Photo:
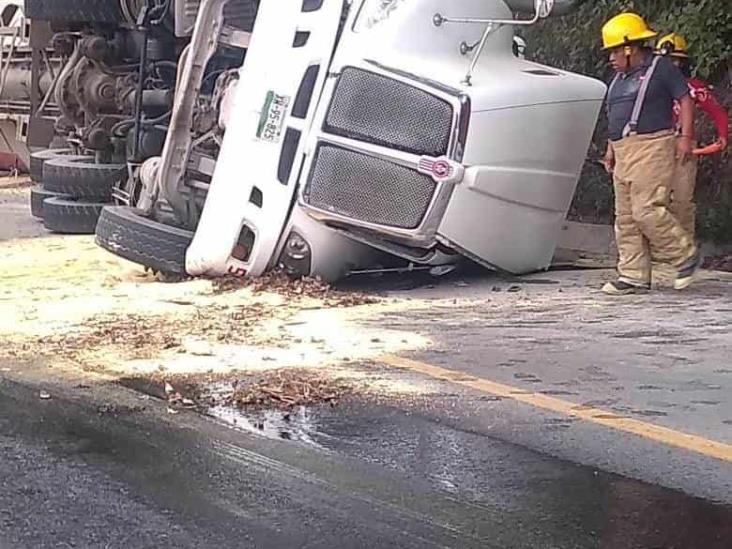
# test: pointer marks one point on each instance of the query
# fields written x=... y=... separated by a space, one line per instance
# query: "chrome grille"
x=380 y=110
x=368 y=189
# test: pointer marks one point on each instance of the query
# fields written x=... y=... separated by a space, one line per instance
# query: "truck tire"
x=71 y=216
x=37 y=197
x=37 y=159
x=81 y=177
x=125 y=232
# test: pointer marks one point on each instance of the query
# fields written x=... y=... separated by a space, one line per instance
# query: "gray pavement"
x=15 y=221
x=662 y=359
x=100 y=465
x=370 y=475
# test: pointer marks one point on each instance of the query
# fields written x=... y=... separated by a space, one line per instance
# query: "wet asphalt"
x=99 y=465
x=78 y=471
x=662 y=359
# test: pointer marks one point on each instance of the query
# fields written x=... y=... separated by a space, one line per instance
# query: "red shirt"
x=703 y=97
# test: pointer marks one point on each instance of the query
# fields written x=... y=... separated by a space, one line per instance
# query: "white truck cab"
x=404 y=127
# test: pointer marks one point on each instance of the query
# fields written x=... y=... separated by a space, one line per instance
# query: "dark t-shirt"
x=667 y=83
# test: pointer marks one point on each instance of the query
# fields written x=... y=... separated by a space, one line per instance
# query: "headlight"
x=297 y=247
x=374 y=12
x=295 y=258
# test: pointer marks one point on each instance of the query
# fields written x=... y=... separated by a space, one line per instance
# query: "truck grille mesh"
x=368 y=189
x=373 y=108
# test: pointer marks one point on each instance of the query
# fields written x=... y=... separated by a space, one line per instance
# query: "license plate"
x=272 y=118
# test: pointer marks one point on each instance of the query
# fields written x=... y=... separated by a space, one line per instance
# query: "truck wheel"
x=38 y=195
x=37 y=159
x=81 y=177
x=125 y=232
x=71 y=216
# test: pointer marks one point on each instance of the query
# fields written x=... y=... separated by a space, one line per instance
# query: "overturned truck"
x=325 y=136
x=102 y=82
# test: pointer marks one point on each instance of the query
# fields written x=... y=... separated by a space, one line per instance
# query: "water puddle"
x=299 y=424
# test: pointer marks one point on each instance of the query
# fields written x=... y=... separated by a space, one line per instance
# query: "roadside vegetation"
x=573 y=43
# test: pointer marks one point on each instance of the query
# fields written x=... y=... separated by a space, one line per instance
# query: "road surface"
x=535 y=413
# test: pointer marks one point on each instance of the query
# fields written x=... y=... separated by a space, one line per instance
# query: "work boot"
x=685 y=276
x=620 y=287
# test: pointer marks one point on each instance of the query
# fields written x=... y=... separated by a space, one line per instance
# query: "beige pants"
x=682 y=206
x=644 y=227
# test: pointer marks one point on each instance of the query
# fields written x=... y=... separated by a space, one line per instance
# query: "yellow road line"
x=694 y=443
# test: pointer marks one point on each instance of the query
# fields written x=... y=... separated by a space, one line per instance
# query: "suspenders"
x=631 y=127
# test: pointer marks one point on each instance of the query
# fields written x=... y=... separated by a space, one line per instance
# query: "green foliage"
x=707 y=25
x=574 y=43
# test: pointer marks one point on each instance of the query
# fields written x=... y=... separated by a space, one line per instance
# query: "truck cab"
x=355 y=131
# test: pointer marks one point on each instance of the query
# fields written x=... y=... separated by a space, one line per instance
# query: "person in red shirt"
x=682 y=189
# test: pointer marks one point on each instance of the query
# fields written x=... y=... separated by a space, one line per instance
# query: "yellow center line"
x=694 y=443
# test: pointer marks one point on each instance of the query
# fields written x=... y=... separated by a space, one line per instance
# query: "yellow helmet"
x=674 y=45
x=624 y=29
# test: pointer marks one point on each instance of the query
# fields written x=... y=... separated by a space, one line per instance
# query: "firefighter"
x=682 y=190
x=642 y=151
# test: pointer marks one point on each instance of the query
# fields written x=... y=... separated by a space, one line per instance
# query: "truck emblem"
x=442 y=170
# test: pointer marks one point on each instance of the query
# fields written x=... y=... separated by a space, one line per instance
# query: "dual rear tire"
x=74 y=197
x=73 y=189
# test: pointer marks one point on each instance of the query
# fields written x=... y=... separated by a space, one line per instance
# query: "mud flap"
x=255 y=178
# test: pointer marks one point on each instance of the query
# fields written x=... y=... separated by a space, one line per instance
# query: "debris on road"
x=44 y=395
x=179 y=391
x=68 y=302
x=294 y=288
x=175 y=399
x=118 y=410
x=257 y=399
x=290 y=388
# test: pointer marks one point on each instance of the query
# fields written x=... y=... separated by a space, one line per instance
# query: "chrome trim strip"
x=425 y=234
